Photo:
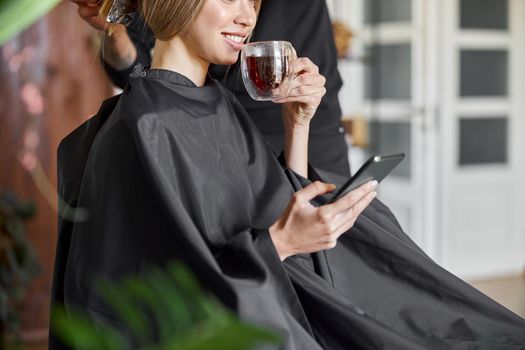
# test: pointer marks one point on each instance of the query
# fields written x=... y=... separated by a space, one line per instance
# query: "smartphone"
x=375 y=168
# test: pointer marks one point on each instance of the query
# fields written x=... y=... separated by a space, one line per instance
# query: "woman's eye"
x=251 y=2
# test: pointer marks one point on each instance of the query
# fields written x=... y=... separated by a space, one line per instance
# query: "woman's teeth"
x=237 y=39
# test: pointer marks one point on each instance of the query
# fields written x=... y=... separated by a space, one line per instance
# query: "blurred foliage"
x=18 y=261
x=161 y=310
x=17 y=15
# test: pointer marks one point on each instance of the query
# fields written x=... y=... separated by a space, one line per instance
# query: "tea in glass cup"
x=267 y=69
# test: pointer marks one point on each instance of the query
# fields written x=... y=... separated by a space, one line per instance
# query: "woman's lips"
x=235 y=40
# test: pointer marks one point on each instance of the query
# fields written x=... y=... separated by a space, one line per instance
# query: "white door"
x=444 y=82
x=386 y=87
x=481 y=136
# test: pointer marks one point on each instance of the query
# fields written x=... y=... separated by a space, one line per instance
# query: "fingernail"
x=373 y=184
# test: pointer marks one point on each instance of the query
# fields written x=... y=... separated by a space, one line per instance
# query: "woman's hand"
x=303 y=228
x=305 y=94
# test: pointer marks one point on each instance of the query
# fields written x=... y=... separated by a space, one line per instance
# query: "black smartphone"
x=375 y=168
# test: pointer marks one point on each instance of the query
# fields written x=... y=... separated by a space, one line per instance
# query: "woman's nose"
x=246 y=15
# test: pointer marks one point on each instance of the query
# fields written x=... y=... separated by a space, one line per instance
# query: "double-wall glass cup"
x=267 y=70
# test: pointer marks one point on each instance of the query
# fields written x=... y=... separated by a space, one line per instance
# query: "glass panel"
x=388 y=74
x=484 y=14
x=483 y=140
x=484 y=73
x=389 y=138
x=380 y=11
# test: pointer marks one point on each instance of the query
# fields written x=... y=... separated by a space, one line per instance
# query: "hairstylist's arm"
x=303 y=228
x=300 y=105
x=118 y=49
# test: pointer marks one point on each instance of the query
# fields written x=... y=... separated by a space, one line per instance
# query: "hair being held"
x=166 y=18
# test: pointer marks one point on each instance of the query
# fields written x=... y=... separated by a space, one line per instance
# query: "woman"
x=175 y=169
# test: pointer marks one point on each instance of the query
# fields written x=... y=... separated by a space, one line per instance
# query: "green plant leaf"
x=14 y=265
x=179 y=314
x=4 y=300
x=5 y=275
x=173 y=302
x=183 y=276
x=15 y=228
x=18 y=263
x=125 y=305
x=78 y=331
x=233 y=336
x=17 y=15
x=26 y=210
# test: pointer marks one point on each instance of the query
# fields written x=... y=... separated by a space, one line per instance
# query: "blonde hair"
x=166 y=18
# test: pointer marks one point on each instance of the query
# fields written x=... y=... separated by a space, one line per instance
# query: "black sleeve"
x=317 y=42
x=144 y=40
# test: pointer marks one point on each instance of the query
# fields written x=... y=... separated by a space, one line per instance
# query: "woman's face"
x=219 y=31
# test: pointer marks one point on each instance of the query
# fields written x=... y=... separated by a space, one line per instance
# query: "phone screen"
x=375 y=168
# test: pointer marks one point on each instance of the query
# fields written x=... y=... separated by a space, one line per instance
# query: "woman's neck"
x=174 y=55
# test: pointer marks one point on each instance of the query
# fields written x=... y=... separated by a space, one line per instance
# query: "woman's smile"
x=236 y=40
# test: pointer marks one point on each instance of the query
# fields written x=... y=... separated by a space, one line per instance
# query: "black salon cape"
x=304 y=23
x=170 y=171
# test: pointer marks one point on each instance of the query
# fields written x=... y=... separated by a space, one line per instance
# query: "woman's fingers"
x=305 y=90
x=345 y=220
x=348 y=218
x=304 y=64
x=334 y=223
x=85 y=11
x=308 y=79
x=352 y=198
x=305 y=86
x=313 y=190
x=89 y=12
x=313 y=97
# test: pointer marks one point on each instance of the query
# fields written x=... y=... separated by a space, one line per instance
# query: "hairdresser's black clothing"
x=306 y=24
x=171 y=171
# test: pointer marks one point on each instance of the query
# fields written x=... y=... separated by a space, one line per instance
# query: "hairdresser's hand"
x=88 y=10
x=305 y=94
x=118 y=49
x=303 y=228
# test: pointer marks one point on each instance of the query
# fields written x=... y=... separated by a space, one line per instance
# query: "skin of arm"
x=118 y=49
x=296 y=144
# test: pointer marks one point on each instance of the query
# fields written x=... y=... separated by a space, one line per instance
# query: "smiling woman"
x=170 y=18
x=215 y=36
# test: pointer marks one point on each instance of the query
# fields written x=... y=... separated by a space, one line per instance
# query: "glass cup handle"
x=290 y=74
x=293 y=57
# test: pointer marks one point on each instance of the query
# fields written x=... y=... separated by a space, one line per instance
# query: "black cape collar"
x=170 y=76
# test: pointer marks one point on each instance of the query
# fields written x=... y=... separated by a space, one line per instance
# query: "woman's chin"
x=226 y=60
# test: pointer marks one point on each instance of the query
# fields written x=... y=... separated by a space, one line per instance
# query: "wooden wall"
x=54 y=62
